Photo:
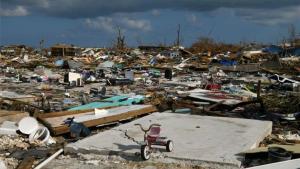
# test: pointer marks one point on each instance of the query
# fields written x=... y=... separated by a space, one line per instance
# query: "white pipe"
x=49 y=159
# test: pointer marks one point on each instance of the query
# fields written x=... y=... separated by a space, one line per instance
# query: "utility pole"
x=178 y=36
x=120 y=40
x=292 y=34
x=41 y=46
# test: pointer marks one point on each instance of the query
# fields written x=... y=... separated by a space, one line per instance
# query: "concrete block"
x=8 y=128
x=2 y=165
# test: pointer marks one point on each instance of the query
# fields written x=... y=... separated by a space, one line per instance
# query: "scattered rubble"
x=54 y=99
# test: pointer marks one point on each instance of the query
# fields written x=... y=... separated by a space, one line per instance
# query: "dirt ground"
x=92 y=161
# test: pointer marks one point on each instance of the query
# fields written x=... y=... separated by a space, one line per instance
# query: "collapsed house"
x=63 y=50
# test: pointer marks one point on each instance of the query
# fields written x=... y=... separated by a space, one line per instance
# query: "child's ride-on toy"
x=153 y=138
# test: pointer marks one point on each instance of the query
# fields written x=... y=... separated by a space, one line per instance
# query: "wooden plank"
x=8 y=113
x=109 y=119
x=26 y=163
x=14 y=116
x=119 y=116
x=104 y=120
x=64 y=113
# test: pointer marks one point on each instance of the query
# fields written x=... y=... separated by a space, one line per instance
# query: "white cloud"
x=155 y=12
x=270 y=16
x=102 y=23
x=17 y=11
x=192 y=18
x=43 y=3
x=142 y=24
x=109 y=24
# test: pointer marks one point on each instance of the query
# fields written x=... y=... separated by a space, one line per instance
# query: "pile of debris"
x=86 y=102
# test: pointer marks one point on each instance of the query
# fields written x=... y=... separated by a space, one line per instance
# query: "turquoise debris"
x=110 y=102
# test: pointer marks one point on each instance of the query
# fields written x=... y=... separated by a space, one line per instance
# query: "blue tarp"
x=273 y=49
x=59 y=62
x=279 y=50
x=228 y=62
x=296 y=52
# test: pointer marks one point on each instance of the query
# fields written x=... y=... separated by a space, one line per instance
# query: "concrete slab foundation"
x=196 y=138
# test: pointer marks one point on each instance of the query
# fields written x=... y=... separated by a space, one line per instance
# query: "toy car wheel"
x=170 y=146
x=145 y=152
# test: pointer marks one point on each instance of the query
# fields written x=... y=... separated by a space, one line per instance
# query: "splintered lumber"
x=41 y=165
x=26 y=163
x=54 y=121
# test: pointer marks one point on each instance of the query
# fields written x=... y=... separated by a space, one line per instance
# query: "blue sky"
x=94 y=22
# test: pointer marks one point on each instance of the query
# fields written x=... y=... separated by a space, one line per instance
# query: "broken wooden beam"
x=26 y=163
x=47 y=119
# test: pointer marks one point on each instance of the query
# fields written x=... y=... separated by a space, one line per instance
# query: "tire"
x=145 y=152
x=170 y=146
